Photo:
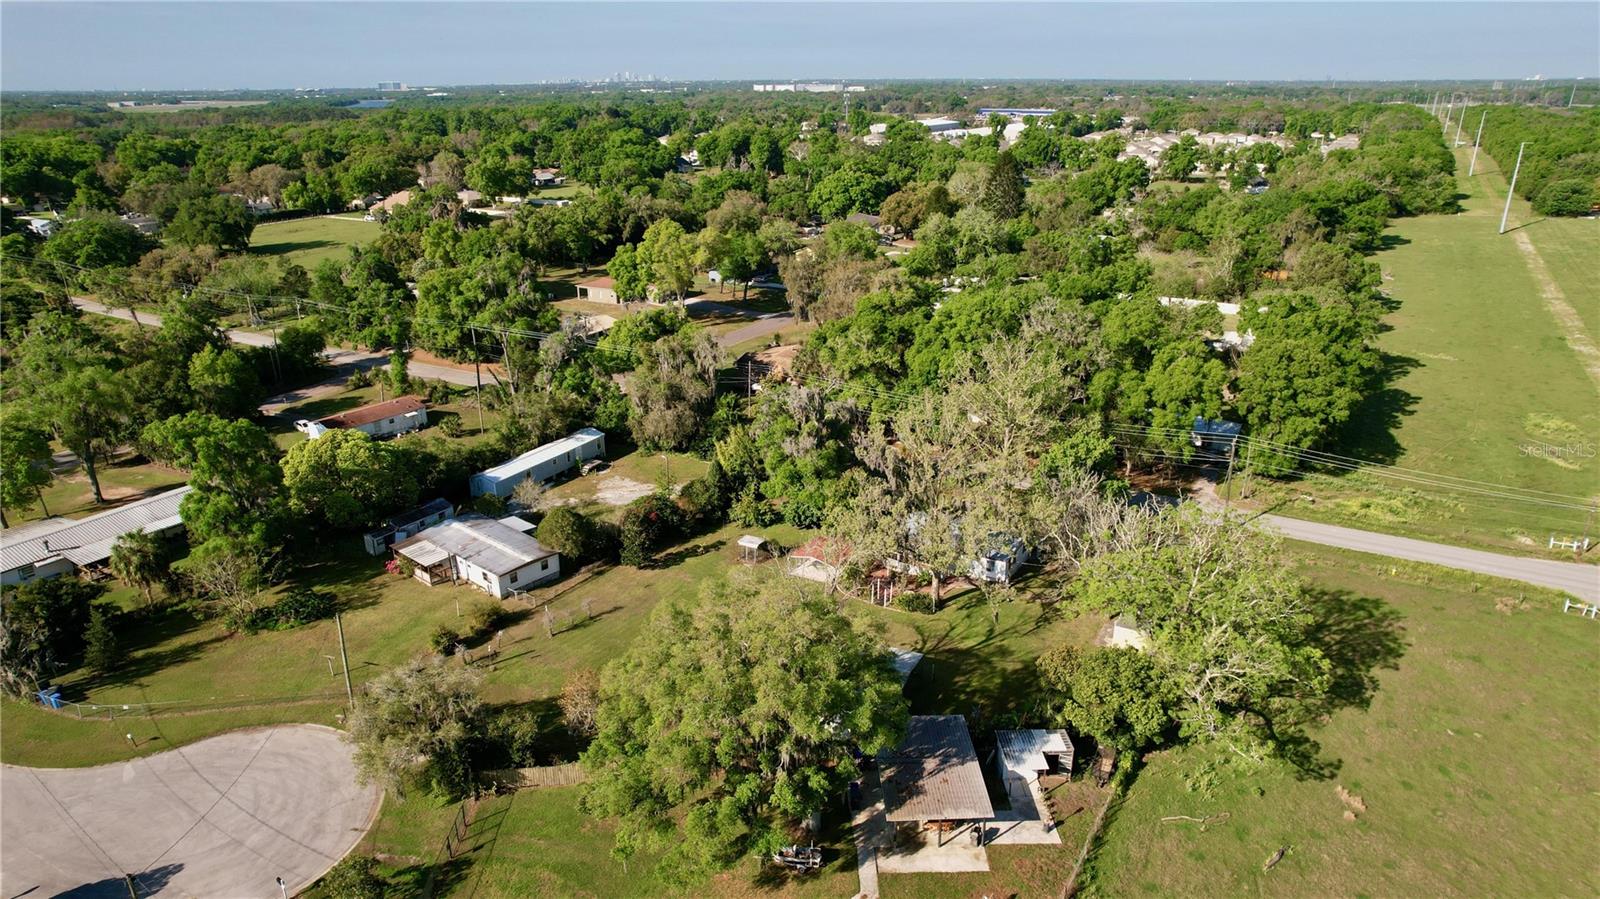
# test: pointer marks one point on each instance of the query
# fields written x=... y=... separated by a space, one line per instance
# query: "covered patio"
x=935 y=800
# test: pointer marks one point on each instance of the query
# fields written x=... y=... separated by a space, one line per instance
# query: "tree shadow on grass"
x=1370 y=432
x=974 y=674
x=685 y=553
x=1359 y=636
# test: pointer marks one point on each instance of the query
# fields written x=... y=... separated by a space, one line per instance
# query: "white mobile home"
x=57 y=546
x=495 y=556
x=407 y=524
x=541 y=464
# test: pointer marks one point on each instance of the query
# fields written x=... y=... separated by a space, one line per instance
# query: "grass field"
x=1474 y=761
x=1484 y=383
x=126 y=478
x=308 y=241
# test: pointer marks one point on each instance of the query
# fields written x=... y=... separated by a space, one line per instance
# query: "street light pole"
x=1512 y=189
x=1473 y=165
x=283 y=888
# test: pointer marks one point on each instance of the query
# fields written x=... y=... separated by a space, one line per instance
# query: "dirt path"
x=1566 y=317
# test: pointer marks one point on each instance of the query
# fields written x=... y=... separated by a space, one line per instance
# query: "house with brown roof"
x=397 y=416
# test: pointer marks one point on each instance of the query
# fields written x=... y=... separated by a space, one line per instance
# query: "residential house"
x=393 y=201
x=397 y=416
x=497 y=556
x=599 y=290
x=541 y=464
x=939 y=123
x=548 y=178
x=57 y=546
x=819 y=559
x=144 y=224
x=407 y=524
x=369 y=201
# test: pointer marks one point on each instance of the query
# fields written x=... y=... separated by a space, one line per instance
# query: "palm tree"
x=136 y=559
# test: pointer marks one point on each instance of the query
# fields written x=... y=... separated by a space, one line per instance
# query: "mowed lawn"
x=1485 y=386
x=310 y=240
x=1474 y=760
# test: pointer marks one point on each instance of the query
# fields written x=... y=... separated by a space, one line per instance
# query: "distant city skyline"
x=139 y=46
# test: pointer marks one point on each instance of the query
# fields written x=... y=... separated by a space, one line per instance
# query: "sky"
x=225 y=45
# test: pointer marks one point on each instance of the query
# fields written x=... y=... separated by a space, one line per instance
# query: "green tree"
x=220 y=221
x=574 y=535
x=414 y=725
x=102 y=651
x=668 y=252
x=1229 y=626
x=1004 y=190
x=630 y=276
x=233 y=469
x=137 y=560
x=733 y=718
x=224 y=384
x=647 y=524
x=24 y=464
x=1179 y=160
x=1118 y=696
x=42 y=626
x=347 y=479
x=672 y=388
x=87 y=411
x=94 y=242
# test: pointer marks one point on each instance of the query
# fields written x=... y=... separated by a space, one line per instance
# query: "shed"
x=1027 y=754
x=819 y=559
x=750 y=547
x=599 y=290
x=934 y=775
x=541 y=464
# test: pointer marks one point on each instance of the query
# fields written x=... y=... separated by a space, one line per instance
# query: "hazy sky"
x=173 y=46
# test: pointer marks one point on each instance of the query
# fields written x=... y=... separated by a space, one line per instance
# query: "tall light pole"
x=1512 y=189
x=1473 y=165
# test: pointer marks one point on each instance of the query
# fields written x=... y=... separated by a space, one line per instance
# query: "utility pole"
x=344 y=658
x=1510 y=191
x=1473 y=165
x=477 y=378
x=1572 y=96
x=1227 y=482
x=1460 y=121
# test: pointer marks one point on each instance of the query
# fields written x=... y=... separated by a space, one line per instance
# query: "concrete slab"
x=222 y=817
x=905 y=850
x=1028 y=822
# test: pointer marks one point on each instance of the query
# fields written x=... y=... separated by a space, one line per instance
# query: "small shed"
x=599 y=290
x=407 y=524
x=819 y=559
x=934 y=778
x=1028 y=754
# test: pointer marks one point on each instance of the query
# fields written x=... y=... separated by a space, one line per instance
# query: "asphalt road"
x=337 y=357
x=224 y=817
x=1582 y=581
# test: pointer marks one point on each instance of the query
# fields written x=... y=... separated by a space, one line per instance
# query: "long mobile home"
x=541 y=464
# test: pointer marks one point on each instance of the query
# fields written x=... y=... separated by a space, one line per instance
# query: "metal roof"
x=934 y=775
x=1023 y=751
x=88 y=541
x=491 y=545
x=412 y=516
x=552 y=450
x=363 y=415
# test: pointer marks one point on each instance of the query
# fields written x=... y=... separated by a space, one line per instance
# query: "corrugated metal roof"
x=483 y=542
x=552 y=450
x=1023 y=751
x=88 y=541
x=362 y=415
x=934 y=775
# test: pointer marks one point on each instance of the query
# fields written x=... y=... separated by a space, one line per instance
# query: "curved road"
x=224 y=817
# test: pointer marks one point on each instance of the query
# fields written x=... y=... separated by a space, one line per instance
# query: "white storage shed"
x=541 y=464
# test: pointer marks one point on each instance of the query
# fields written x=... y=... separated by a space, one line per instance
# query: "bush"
x=443 y=637
x=490 y=505
x=359 y=378
x=299 y=607
x=705 y=499
x=752 y=509
x=648 y=523
x=355 y=877
x=450 y=425
x=914 y=601
x=1569 y=196
x=437 y=392
x=512 y=739
x=483 y=616
x=575 y=536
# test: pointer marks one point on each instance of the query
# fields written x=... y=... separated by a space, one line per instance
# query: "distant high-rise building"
x=391 y=85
